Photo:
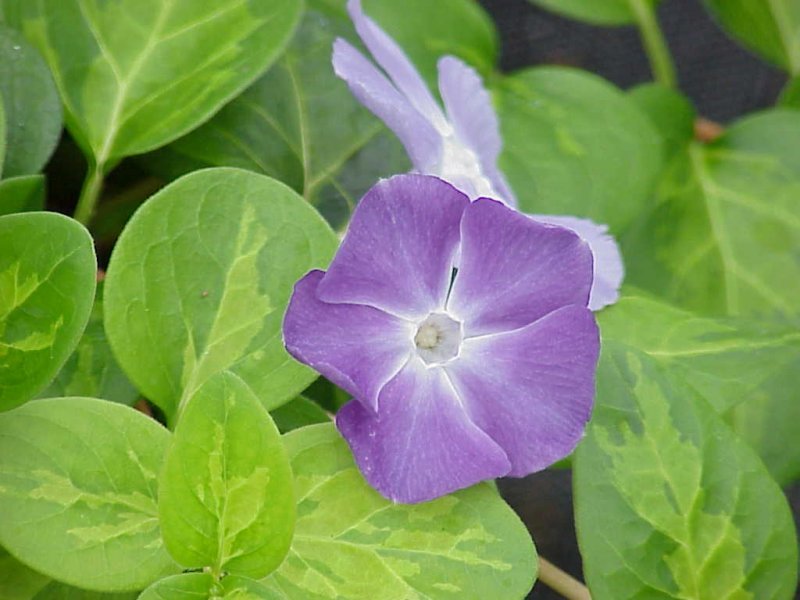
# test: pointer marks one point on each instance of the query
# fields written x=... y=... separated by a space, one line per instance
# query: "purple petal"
x=609 y=269
x=373 y=90
x=514 y=270
x=359 y=348
x=398 y=252
x=532 y=389
x=421 y=445
x=469 y=108
x=396 y=64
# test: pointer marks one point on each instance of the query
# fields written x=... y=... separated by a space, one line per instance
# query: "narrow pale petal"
x=421 y=444
x=609 y=270
x=532 y=389
x=398 y=252
x=396 y=65
x=359 y=348
x=514 y=270
x=376 y=92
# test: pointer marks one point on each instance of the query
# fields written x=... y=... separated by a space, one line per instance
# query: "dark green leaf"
x=298 y=413
x=576 y=145
x=597 y=12
x=78 y=480
x=669 y=502
x=17 y=581
x=790 y=96
x=21 y=194
x=199 y=281
x=62 y=591
x=201 y=586
x=671 y=113
x=225 y=492
x=47 y=281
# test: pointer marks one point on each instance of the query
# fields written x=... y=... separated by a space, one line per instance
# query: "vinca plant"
x=330 y=273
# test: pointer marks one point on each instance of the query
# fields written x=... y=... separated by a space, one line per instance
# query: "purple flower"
x=460 y=144
x=457 y=375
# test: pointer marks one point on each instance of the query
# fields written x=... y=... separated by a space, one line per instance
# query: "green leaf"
x=298 y=413
x=771 y=28
x=91 y=370
x=299 y=123
x=225 y=493
x=135 y=74
x=78 y=479
x=21 y=194
x=3 y=134
x=17 y=581
x=32 y=106
x=47 y=281
x=723 y=234
x=350 y=542
x=576 y=145
x=666 y=496
x=597 y=12
x=790 y=95
x=727 y=361
x=670 y=112
x=201 y=586
x=200 y=279
x=60 y=591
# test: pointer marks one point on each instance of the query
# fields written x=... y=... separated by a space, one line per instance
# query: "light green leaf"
x=61 y=591
x=47 y=281
x=350 y=542
x=225 y=493
x=17 y=581
x=32 y=106
x=770 y=27
x=576 y=145
x=727 y=361
x=201 y=586
x=78 y=480
x=200 y=279
x=597 y=12
x=670 y=112
x=298 y=413
x=21 y=194
x=135 y=74
x=91 y=371
x=3 y=134
x=665 y=496
x=723 y=235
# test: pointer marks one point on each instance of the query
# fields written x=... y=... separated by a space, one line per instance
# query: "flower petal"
x=470 y=111
x=373 y=90
x=421 y=444
x=532 y=389
x=398 y=252
x=359 y=348
x=396 y=64
x=514 y=270
x=609 y=270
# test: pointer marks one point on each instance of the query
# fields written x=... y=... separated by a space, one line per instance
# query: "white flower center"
x=438 y=338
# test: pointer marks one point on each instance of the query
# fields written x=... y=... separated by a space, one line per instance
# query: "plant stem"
x=90 y=193
x=655 y=45
x=562 y=582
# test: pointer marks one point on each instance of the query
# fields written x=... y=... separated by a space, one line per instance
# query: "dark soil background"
x=723 y=81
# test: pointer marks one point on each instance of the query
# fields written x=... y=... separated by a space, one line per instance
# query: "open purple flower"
x=460 y=144
x=457 y=375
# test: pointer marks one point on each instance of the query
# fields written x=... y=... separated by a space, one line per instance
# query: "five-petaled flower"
x=457 y=375
x=460 y=144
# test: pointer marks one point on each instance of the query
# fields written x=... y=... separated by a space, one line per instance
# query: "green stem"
x=654 y=43
x=90 y=194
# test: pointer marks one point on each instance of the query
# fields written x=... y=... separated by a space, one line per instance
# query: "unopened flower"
x=460 y=144
x=458 y=375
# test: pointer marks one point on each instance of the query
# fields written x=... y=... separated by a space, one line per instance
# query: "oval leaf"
x=17 y=581
x=771 y=28
x=723 y=236
x=47 y=281
x=199 y=281
x=665 y=495
x=201 y=586
x=564 y=133
x=597 y=12
x=225 y=496
x=61 y=591
x=135 y=74
x=21 y=194
x=350 y=542
x=78 y=480
x=32 y=106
